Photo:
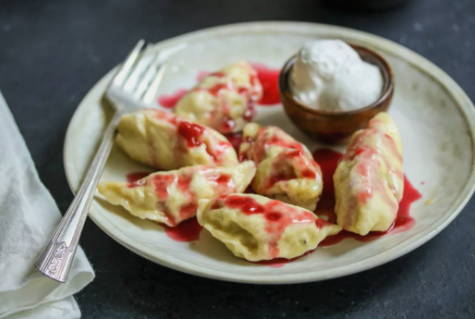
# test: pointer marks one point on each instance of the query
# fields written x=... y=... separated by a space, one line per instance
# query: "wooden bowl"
x=335 y=127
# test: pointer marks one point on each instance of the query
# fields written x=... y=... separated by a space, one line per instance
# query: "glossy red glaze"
x=235 y=139
x=214 y=90
x=161 y=183
x=169 y=101
x=223 y=179
x=184 y=182
x=133 y=179
x=308 y=173
x=187 y=231
x=269 y=79
x=247 y=205
x=191 y=132
x=188 y=210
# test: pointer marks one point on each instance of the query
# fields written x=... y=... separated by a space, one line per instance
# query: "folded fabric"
x=28 y=216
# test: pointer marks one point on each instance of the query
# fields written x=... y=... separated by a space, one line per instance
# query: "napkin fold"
x=28 y=217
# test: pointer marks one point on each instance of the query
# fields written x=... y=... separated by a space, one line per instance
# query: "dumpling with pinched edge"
x=162 y=140
x=171 y=197
x=223 y=100
x=369 y=179
x=286 y=169
x=257 y=228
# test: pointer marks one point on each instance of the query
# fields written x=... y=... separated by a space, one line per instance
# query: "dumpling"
x=369 y=179
x=257 y=228
x=172 y=197
x=285 y=168
x=164 y=141
x=223 y=100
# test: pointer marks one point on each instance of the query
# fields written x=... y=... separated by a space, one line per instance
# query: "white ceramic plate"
x=436 y=120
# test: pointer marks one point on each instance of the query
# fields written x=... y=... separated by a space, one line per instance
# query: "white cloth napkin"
x=28 y=216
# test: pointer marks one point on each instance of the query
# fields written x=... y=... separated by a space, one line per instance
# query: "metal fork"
x=134 y=86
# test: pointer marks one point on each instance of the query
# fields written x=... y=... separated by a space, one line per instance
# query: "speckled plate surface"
x=436 y=119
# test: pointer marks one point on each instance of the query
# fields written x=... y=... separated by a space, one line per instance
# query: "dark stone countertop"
x=52 y=52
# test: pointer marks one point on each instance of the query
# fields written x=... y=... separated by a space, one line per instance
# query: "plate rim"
x=463 y=104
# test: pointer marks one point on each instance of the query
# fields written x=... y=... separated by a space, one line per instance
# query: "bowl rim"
x=386 y=92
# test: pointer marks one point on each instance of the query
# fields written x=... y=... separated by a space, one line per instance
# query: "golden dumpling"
x=171 y=197
x=285 y=168
x=223 y=100
x=164 y=141
x=257 y=228
x=369 y=179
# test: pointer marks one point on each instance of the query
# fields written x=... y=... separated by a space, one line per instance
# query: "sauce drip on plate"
x=170 y=100
x=269 y=79
x=186 y=231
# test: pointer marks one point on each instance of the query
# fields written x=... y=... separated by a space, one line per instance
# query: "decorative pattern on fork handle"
x=57 y=261
x=133 y=86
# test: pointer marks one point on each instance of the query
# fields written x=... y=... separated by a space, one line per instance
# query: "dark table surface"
x=52 y=52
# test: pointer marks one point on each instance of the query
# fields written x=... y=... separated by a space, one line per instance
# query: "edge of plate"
x=463 y=102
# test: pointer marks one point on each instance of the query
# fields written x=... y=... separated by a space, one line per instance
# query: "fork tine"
x=129 y=62
x=148 y=76
x=152 y=89
x=160 y=68
x=138 y=70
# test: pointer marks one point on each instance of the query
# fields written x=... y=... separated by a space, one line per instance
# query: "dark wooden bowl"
x=335 y=127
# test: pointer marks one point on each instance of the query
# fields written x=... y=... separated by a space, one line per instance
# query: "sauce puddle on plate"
x=269 y=79
x=170 y=100
x=186 y=231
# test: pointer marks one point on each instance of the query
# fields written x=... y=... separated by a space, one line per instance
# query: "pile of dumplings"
x=201 y=175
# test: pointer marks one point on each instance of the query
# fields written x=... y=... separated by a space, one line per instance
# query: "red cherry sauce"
x=269 y=79
x=186 y=231
x=235 y=139
x=191 y=132
x=133 y=178
x=170 y=100
x=328 y=160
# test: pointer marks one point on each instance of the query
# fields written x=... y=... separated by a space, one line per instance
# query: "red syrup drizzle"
x=132 y=178
x=170 y=100
x=235 y=139
x=269 y=79
x=186 y=231
x=328 y=160
x=191 y=132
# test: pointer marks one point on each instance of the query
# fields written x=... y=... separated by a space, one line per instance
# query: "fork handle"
x=56 y=259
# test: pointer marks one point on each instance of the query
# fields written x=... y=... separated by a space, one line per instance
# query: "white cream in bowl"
x=330 y=75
